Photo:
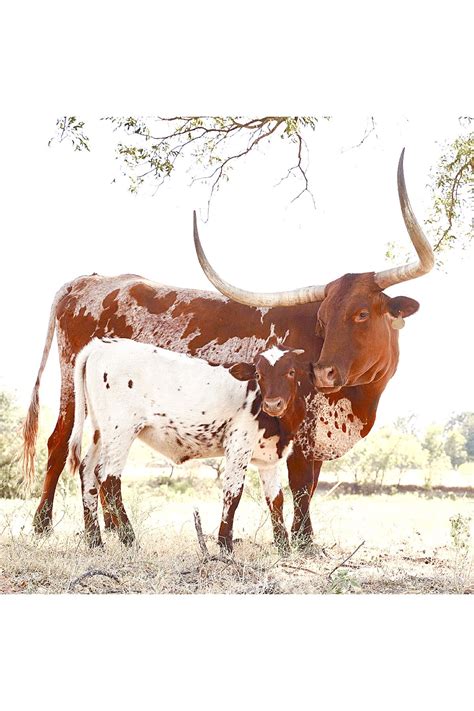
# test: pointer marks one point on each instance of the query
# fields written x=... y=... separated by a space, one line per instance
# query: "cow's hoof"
x=42 y=523
x=94 y=542
x=226 y=545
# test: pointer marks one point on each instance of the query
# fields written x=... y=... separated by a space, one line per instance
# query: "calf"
x=184 y=408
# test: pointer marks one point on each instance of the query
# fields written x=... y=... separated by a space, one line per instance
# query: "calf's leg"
x=87 y=471
x=109 y=475
x=238 y=454
x=274 y=498
x=111 y=486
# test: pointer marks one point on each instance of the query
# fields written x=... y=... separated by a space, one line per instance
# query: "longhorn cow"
x=347 y=328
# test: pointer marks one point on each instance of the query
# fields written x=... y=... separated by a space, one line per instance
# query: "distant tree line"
x=400 y=447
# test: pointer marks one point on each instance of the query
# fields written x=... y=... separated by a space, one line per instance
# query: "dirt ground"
x=388 y=543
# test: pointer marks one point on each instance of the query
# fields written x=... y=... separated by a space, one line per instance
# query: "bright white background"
x=60 y=218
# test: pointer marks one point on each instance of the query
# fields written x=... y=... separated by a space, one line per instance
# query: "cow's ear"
x=243 y=371
x=402 y=306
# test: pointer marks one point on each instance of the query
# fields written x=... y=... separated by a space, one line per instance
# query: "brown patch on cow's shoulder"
x=96 y=436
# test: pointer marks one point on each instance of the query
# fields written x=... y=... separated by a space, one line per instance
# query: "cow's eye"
x=291 y=373
x=257 y=376
x=362 y=316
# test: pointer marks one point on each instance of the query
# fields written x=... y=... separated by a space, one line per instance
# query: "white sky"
x=75 y=221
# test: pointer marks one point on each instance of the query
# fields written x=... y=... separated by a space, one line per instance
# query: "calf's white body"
x=181 y=406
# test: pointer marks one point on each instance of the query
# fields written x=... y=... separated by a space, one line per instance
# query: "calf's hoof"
x=94 y=541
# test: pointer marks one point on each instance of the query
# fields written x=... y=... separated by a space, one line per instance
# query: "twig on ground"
x=200 y=535
x=299 y=567
x=339 y=565
x=89 y=574
x=228 y=559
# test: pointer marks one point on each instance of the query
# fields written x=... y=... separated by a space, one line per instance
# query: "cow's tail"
x=75 y=441
x=30 y=427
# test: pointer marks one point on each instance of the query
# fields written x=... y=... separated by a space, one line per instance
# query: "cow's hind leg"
x=274 y=498
x=57 y=453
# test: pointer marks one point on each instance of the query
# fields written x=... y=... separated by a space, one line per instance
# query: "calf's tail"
x=75 y=441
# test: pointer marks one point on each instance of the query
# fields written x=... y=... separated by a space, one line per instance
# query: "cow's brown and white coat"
x=185 y=409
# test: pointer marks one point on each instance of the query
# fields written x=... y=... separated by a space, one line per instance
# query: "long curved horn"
x=425 y=263
x=250 y=298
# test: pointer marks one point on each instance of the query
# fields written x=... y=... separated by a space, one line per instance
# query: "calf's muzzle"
x=274 y=406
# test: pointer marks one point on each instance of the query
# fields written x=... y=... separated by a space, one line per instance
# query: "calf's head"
x=277 y=372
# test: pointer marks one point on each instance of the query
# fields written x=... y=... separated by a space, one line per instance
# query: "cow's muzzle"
x=326 y=378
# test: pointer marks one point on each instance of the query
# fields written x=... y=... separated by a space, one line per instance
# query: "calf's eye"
x=362 y=316
x=291 y=373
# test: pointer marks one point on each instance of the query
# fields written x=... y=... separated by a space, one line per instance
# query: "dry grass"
x=408 y=547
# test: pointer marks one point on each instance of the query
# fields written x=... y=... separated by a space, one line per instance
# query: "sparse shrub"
x=343 y=583
x=461 y=541
x=460 y=531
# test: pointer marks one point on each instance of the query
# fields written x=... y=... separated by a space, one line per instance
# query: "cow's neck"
x=364 y=401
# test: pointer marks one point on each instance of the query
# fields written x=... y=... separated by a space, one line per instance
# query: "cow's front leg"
x=274 y=498
x=303 y=477
x=238 y=454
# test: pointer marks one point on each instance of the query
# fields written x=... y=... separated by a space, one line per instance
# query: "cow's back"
x=201 y=323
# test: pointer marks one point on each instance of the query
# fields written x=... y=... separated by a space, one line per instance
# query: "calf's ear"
x=402 y=306
x=243 y=371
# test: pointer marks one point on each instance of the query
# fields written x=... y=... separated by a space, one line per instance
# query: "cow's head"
x=278 y=372
x=355 y=316
x=356 y=322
